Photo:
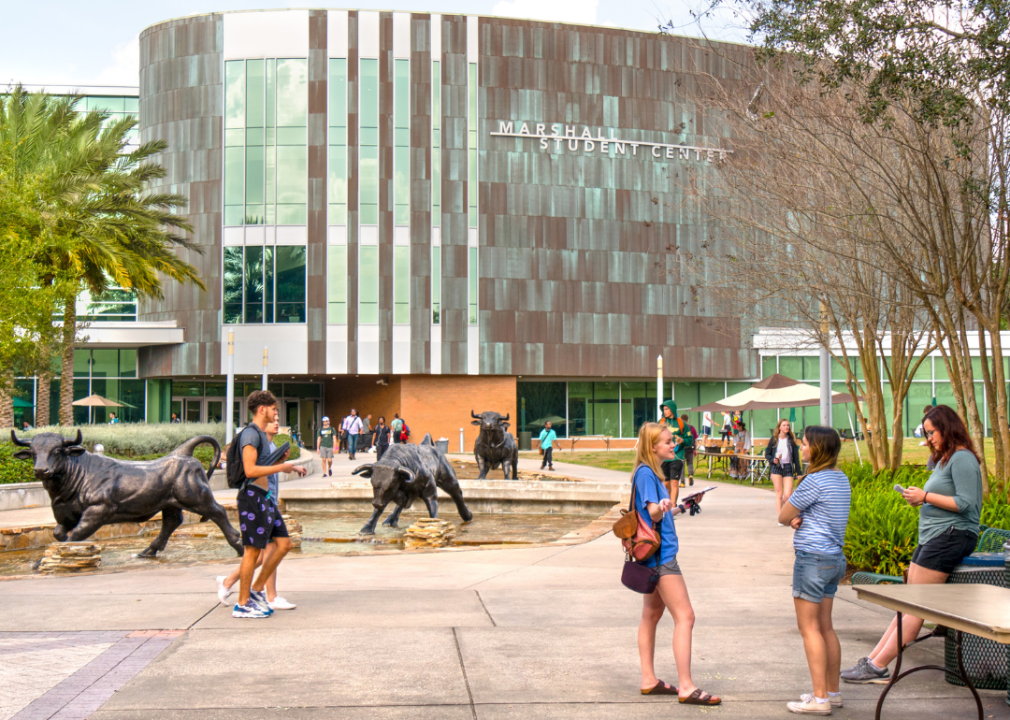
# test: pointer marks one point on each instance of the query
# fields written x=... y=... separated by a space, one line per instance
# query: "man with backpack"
x=260 y=518
x=674 y=469
x=690 y=443
x=397 y=427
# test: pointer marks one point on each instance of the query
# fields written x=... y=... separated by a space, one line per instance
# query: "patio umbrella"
x=552 y=419
x=776 y=391
x=19 y=403
x=95 y=401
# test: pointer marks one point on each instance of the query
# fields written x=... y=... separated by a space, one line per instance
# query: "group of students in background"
x=818 y=511
x=357 y=433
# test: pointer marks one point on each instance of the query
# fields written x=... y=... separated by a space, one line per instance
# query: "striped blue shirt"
x=823 y=499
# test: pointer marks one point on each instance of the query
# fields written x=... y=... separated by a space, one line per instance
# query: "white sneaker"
x=807 y=706
x=835 y=700
x=279 y=603
x=222 y=591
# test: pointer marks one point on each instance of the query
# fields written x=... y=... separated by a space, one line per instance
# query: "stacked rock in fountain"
x=294 y=530
x=430 y=532
x=70 y=557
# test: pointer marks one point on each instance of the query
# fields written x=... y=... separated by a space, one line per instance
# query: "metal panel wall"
x=181 y=99
x=317 y=207
x=420 y=191
x=385 y=192
x=352 y=191
x=575 y=278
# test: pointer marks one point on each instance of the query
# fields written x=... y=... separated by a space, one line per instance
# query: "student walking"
x=366 y=433
x=324 y=446
x=673 y=469
x=706 y=423
x=547 y=438
x=690 y=443
x=819 y=512
x=727 y=426
x=783 y=458
x=397 y=427
x=260 y=518
x=380 y=438
x=655 y=446
x=951 y=502
x=225 y=583
x=352 y=427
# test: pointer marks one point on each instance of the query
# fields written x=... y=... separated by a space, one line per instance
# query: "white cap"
x=325 y=418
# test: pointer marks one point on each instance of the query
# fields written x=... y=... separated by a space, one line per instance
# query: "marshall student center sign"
x=563 y=137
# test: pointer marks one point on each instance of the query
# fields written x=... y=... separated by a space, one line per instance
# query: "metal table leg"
x=898 y=675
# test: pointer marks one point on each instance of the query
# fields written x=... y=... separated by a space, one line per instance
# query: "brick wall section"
x=364 y=395
x=442 y=405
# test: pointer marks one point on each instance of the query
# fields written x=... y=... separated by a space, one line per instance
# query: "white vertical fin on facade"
x=336 y=33
x=266 y=34
x=401 y=233
x=473 y=331
x=368 y=334
x=368 y=34
x=401 y=35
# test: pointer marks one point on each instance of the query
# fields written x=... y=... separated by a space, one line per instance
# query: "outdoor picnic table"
x=982 y=610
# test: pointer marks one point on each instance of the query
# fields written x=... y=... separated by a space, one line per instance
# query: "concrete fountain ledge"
x=508 y=497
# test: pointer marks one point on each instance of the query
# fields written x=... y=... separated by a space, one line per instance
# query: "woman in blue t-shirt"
x=652 y=500
x=819 y=512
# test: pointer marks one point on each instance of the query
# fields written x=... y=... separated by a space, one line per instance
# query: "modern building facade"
x=429 y=214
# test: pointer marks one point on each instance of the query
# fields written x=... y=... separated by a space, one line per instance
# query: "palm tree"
x=110 y=229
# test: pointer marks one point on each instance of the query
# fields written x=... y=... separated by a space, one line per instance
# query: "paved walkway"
x=496 y=635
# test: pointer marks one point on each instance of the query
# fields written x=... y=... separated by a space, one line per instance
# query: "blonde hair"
x=648 y=436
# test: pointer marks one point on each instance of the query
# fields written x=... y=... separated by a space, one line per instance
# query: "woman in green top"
x=951 y=502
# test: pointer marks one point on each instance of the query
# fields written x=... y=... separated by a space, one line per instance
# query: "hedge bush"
x=883 y=529
x=13 y=470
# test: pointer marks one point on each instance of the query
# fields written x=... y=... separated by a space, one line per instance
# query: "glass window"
x=292 y=93
x=768 y=366
x=811 y=369
x=290 y=284
x=368 y=285
x=338 y=185
x=539 y=402
x=473 y=285
x=104 y=363
x=638 y=405
x=580 y=397
x=268 y=284
x=292 y=179
x=187 y=389
x=233 y=185
x=128 y=363
x=253 y=283
x=254 y=108
x=337 y=286
x=233 y=284
x=338 y=142
x=687 y=395
x=791 y=367
x=215 y=389
x=925 y=371
x=368 y=118
x=254 y=181
x=401 y=285
x=234 y=94
x=436 y=284
x=301 y=390
x=82 y=363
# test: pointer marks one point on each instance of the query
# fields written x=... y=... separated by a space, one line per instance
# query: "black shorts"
x=945 y=552
x=674 y=470
x=782 y=469
x=259 y=517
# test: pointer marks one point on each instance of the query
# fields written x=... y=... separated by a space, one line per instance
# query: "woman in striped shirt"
x=819 y=512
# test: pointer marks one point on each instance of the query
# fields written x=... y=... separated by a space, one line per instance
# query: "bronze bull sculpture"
x=407 y=472
x=495 y=445
x=88 y=491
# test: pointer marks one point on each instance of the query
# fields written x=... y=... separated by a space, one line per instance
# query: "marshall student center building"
x=428 y=214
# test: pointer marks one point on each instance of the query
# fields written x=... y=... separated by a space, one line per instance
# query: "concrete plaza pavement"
x=546 y=632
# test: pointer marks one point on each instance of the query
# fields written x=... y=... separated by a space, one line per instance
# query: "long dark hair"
x=775 y=435
x=953 y=433
x=824 y=447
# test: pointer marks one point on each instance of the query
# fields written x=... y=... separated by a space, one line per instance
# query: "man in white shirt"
x=706 y=424
x=352 y=426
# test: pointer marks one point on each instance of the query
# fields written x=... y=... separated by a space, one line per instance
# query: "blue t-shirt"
x=823 y=499
x=547 y=438
x=649 y=488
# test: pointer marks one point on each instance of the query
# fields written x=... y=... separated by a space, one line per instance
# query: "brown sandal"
x=700 y=697
x=661 y=688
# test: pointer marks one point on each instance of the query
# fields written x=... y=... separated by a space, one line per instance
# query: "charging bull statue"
x=407 y=472
x=89 y=491
x=495 y=445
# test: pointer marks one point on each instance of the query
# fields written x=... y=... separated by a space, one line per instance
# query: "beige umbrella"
x=95 y=401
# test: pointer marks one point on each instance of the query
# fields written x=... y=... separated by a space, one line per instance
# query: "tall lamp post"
x=659 y=387
x=229 y=403
x=825 y=369
x=266 y=373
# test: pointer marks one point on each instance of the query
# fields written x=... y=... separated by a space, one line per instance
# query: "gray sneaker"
x=863 y=673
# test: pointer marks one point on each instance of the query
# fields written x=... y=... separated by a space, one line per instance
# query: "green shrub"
x=996 y=511
x=137 y=440
x=13 y=470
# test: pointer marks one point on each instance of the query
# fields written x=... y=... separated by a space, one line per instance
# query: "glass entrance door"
x=291 y=415
x=192 y=410
x=215 y=410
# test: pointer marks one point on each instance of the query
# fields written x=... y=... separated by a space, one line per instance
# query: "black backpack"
x=234 y=465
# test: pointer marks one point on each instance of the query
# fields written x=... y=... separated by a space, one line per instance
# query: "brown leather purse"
x=639 y=537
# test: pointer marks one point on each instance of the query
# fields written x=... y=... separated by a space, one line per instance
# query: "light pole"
x=229 y=403
x=266 y=372
x=659 y=387
x=825 y=369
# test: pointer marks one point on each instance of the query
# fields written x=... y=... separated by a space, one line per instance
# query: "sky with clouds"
x=84 y=42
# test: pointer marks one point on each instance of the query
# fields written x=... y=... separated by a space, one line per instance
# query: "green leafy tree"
x=108 y=229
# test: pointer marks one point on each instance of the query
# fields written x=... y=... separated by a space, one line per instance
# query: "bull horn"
x=475 y=417
x=19 y=443
x=409 y=473
x=506 y=418
x=77 y=441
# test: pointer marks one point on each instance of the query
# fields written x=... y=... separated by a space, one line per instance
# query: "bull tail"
x=190 y=445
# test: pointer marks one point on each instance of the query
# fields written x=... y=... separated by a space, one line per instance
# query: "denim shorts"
x=670 y=568
x=783 y=469
x=816 y=577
